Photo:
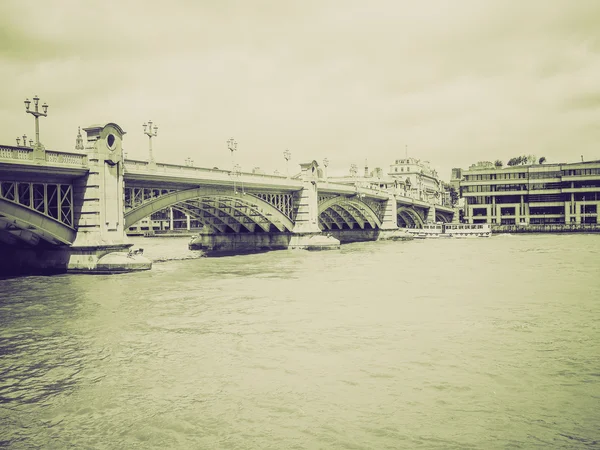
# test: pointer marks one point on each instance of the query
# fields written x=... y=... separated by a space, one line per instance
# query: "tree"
x=498 y=164
x=453 y=197
x=542 y=160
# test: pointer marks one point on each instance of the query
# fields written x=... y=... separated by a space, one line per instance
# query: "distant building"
x=168 y=219
x=408 y=177
x=421 y=181
x=533 y=194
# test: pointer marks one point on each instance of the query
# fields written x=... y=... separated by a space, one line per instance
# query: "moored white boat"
x=468 y=230
x=451 y=230
x=429 y=230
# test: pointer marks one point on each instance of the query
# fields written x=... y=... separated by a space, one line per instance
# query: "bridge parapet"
x=25 y=154
x=136 y=165
x=172 y=174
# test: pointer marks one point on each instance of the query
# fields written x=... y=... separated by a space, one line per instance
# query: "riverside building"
x=408 y=177
x=537 y=194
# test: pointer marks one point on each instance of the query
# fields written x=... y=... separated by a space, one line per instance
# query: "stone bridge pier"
x=101 y=243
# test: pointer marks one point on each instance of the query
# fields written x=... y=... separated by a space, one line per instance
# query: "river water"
x=483 y=343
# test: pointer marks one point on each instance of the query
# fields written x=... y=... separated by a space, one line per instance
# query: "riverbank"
x=547 y=228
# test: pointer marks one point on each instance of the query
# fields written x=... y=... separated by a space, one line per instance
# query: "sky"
x=450 y=82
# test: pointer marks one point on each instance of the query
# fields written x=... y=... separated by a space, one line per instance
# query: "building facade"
x=533 y=194
x=421 y=181
x=168 y=219
x=408 y=177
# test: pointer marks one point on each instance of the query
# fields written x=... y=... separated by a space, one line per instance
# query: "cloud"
x=456 y=81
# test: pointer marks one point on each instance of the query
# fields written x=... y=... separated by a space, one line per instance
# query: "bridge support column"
x=430 y=218
x=101 y=244
x=306 y=234
x=389 y=225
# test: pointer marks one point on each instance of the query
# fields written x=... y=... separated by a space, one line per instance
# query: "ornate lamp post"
x=287 y=155
x=150 y=135
x=232 y=147
x=236 y=172
x=36 y=113
x=189 y=161
x=326 y=164
x=24 y=141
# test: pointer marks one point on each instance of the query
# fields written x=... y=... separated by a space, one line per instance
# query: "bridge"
x=66 y=210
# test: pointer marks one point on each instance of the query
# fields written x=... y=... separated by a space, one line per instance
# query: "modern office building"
x=531 y=194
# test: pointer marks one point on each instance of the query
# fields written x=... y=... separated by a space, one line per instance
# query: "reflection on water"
x=487 y=343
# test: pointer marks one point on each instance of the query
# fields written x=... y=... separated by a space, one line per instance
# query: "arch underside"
x=442 y=218
x=19 y=224
x=409 y=218
x=227 y=211
x=343 y=213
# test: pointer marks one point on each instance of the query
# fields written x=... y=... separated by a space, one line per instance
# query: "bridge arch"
x=344 y=212
x=229 y=209
x=409 y=217
x=29 y=226
x=441 y=218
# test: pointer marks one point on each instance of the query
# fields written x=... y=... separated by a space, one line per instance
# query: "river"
x=482 y=343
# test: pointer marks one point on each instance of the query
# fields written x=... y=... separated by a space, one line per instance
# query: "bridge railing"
x=165 y=167
x=20 y=154
x=191 y=174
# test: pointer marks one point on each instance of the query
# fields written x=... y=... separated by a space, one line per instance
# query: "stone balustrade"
x=52 y=157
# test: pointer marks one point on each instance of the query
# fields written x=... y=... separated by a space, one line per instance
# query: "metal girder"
x=344 y=215
x=54 y=200
x=412 y=215
x=23 y=223
x=137 y=196
x=202 y=216
x=441 y=218
x=282 y=202
x=351 y=210
x=355 y=213
x=261 y=212
x=331 y=217
x=241 y=211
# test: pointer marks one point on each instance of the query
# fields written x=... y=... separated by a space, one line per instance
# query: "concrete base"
x=313 y=241
x=395 y=235
x=358 y=235
x=106 y=259
x=47 y=260
x=222 y=244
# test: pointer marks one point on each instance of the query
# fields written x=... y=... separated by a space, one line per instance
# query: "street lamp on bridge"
x=326 y=164
x=189 y=161
x=24 y=141
x=232 y=147
x=236 y=172
x=150 y=135
x=36 y=113
x=287 y=155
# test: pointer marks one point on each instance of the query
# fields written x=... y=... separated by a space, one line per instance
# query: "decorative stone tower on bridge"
x=101 y=243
